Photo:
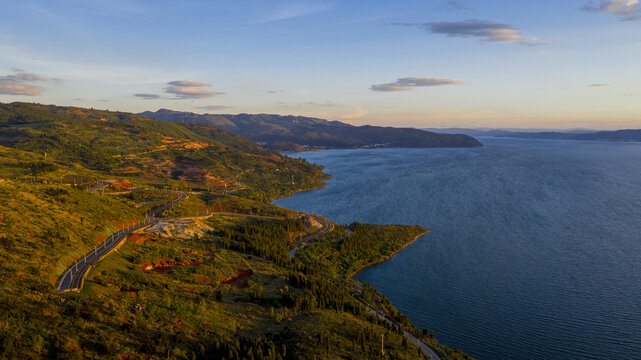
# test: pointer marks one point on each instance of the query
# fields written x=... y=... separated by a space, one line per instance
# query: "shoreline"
x=355 y=272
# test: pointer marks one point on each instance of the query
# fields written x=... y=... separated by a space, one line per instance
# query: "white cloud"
x=406 y=84
x=20 y=83
x=599 y=85
x=627 y=10
x=487 y=31
x=358 y=113
x=190 y=89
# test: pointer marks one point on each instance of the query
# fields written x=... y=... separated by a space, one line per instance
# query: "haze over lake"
x=535 y=251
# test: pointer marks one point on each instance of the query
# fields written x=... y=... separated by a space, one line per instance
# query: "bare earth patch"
x=240 y=280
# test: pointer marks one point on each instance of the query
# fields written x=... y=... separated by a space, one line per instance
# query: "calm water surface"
x=535 y=251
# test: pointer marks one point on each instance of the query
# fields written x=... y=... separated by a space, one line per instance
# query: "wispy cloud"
x=627 y=10
x=456 y=5
x=190 y=89
x=214 y=107
x=406 y=84
x=599 y=85
x=357 y=113
x=147 y=96
x=292 y=10
x=486 y=31
x=20 y=83
x=188 y=83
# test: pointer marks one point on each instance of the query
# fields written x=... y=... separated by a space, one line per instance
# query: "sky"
x=545 y=64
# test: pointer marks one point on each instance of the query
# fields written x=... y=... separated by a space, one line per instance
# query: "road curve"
x=326 y=226
x=72 y=279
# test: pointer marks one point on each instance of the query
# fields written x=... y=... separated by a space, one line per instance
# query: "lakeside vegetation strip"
x=352 y=274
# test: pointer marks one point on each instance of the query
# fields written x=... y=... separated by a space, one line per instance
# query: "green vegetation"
x=122 y=144
x=290 y=133
x=347 y=250
x=229 y=291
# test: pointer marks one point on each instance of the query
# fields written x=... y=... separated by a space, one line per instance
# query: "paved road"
x=72 y=279
x=326 y=226
x=426 y=349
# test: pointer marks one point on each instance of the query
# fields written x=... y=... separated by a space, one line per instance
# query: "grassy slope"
x=111 y=141
x=290 y=310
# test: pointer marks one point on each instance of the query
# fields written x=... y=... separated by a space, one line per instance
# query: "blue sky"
x=517 y=64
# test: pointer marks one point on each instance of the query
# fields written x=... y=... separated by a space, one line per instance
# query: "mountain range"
x=295 y=133
x=633 y=135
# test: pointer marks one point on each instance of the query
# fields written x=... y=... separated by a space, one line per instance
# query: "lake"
x=535 y=249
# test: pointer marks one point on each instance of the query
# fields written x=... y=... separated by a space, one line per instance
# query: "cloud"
x=20 y=83
x=599 y=85
x=487 y=31
x=358 y=113
x=190 y=83
x=406 y=84
x=214 y=107
x=456 y=5
x=190 y=89
x=627 y=10
x=296 y=9
x=147 y=96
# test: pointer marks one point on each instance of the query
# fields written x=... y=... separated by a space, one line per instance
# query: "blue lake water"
x=535 y=249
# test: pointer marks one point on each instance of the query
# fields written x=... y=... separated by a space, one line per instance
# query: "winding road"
x=72 y=279
x=326 y=226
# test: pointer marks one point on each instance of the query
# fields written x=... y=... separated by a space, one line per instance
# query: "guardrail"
x=72 y=279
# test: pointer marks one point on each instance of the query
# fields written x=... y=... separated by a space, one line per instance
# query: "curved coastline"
x=355 y=272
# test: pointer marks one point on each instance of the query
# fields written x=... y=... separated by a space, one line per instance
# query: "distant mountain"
x=633 y=135
x=290 y=133
x=618 y=135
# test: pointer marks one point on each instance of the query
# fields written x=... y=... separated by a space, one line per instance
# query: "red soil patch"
x=207 y=322
x=20 y=276
x=180 y=324
x=164 y=266
x=74 y=348
x=133 y=294
x=123 y=185
x=203 y=279
x=186 y=288
x=137 y=239
x=194 y=332
x=239 y=280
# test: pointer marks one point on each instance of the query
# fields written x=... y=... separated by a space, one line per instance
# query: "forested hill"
x=290 y=133
x=125 y=144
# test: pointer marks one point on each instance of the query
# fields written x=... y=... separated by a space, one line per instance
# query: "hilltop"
x=291 y=133
x=124 y=144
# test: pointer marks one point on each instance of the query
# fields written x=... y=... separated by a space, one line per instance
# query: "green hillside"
x=280 y=132
x=126 y=144
x=189 y=287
